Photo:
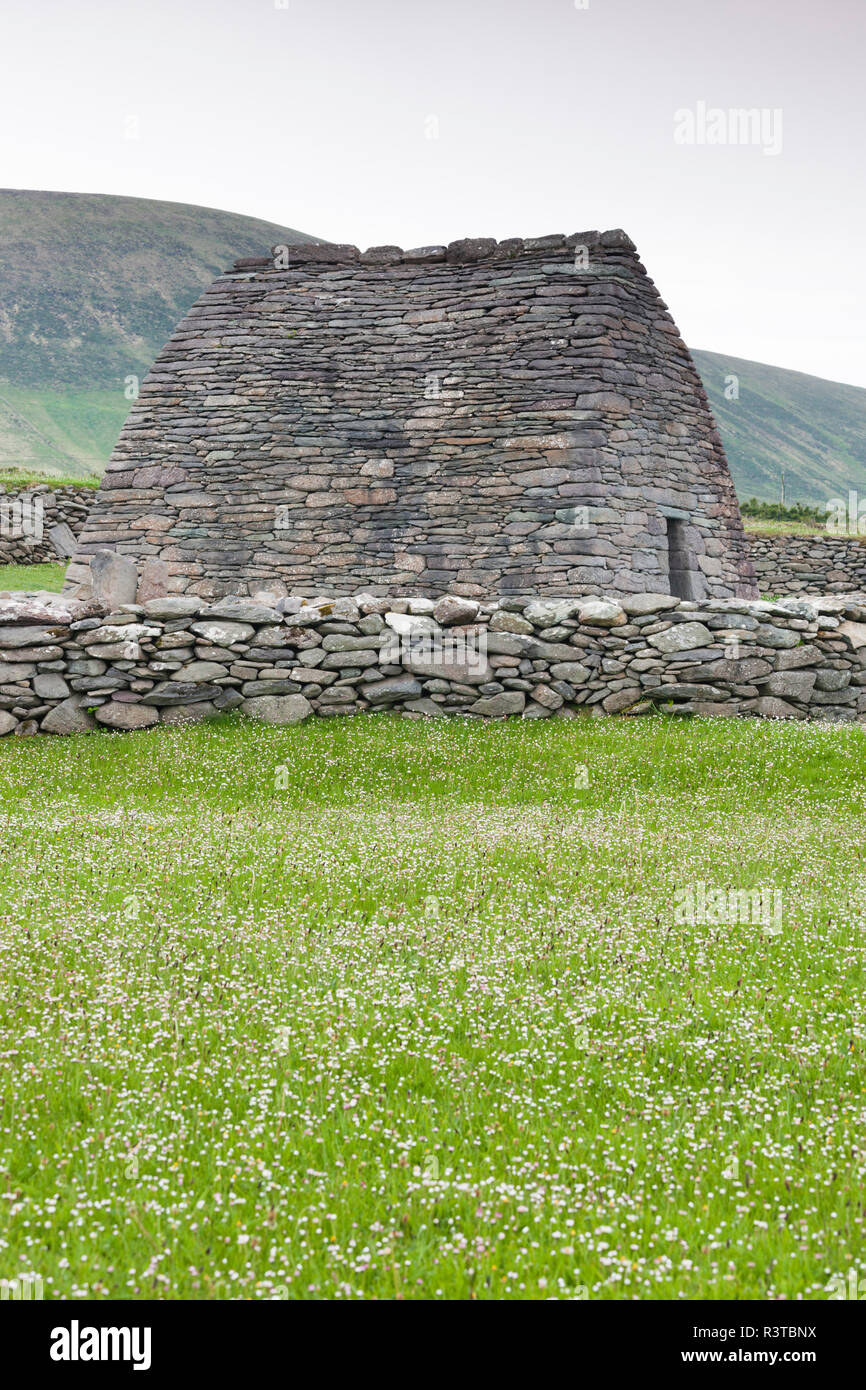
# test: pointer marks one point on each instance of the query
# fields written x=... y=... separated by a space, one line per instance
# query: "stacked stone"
x=66 y=667
x=809 y=564
x=60 y=506
x=481 y=418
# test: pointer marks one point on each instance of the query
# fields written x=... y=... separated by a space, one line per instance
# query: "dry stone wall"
x=820 y=564
x=809 y=564
x=66 y=667
x=512 y=418
x=30 y=518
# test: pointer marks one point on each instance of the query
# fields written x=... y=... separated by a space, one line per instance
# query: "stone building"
x=509 y=419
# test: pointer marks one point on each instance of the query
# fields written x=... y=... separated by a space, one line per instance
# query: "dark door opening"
x=681 y=577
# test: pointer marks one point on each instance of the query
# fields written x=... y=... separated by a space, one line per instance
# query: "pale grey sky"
x=410 y=122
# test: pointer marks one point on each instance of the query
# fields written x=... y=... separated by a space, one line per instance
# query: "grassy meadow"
x=377 y=1008
x=48 y=577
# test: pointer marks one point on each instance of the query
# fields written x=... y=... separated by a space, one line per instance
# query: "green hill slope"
x=91 y=286
x=814 y=429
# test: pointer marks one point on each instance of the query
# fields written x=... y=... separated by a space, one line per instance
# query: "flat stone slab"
x=54 y=609
x=117 y=715
x=639 y=605
x=174 y=606
x=681 y=638
x=277 y=709
x=114 y=578
x=498 y=706
x=392 y=688
x=600 y=612
x=70 y=717
x=790 y=685
x=180 y=693
x=242 y=610
x=176 y=715
x=222 y=632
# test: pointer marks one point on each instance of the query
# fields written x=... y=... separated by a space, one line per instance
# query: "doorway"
x=681 y=575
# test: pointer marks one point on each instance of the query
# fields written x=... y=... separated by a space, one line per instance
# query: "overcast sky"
x=407 y=122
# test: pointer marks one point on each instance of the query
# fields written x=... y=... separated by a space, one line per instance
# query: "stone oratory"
x=483 y=419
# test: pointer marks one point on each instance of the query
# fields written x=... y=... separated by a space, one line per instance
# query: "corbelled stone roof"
x=482 y=418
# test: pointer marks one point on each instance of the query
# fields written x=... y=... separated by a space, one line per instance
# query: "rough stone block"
x=117 y=715
x=277 y=709
x=114 y=578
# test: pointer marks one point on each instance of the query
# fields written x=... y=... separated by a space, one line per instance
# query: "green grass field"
x=781 y=528
x=48 y=577
x=377 y=1008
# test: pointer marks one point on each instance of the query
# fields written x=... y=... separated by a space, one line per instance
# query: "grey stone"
x=175 y=715
x=599 y=612
x=410 y=625
x=775 y=637
x=222 y=632
x=705 y=709
x=392 y=688
x=118 y=715
x=198 y=671
x=63 y=540
x=69 y=717
x=534 y=710
x=509 y=622
x=269 y=686
x=114 y=578
x=153 y=580
x=638 y=605
x=45 y=609
x=335 y=642
x=118 y=633
x=497 y=706
x=16 y=671
x=769 y=707
x=572 y=671
x=451 y=610
x=681 y=638
x=180 y=693
x=621 y=700
x=278 y=709
x=227 y=699
x=50 y=686
x=684 y=691
x=425 y=706
x=174 y=606
x=547 y=697
x=806 y=655
x=354 y=660
x=832 y=680
x=549 y=611
x=13 y=637
x=792 y=685
x=242 y=610
x=727 y=669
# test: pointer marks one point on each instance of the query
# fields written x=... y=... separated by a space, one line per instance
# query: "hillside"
x=816 y=429
x=92 y=285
